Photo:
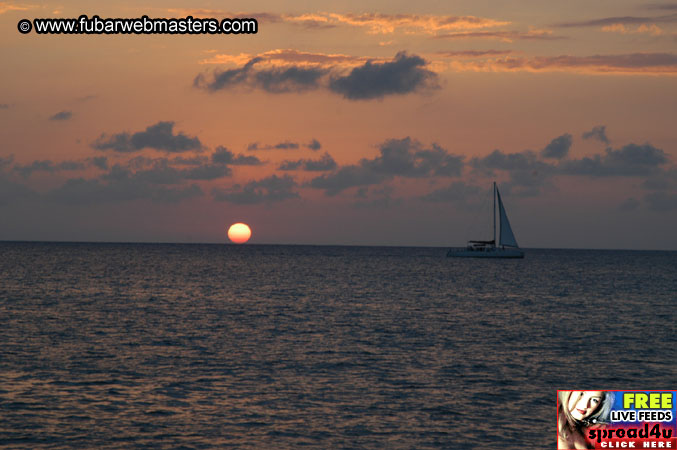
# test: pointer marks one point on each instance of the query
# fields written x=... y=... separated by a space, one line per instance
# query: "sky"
x=364 y=123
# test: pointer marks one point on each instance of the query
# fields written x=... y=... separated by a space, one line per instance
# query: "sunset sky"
x=357 y=123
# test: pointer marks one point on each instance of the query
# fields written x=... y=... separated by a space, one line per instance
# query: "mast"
x=494 y=210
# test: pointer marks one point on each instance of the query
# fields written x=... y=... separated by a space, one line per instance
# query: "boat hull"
x=512 y=253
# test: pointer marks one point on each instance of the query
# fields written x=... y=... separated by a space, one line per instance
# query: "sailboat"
x=507 y=244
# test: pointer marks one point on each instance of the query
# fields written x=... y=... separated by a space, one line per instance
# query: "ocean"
x=125 y=346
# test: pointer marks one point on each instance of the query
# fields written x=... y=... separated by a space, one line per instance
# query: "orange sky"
x=376 y=123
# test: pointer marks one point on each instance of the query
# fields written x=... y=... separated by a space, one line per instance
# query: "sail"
x=506 y=237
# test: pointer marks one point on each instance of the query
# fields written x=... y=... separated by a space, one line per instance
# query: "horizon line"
x=28 y=241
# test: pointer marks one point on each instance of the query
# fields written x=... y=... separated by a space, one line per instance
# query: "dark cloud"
x=661 y=201
x=207 y=172
x=403 y=75
x=4 y=106
x=528 y=174
x=6 y=161
x=456 y=192
x=226 y=78
x=276 y=80
x=346 y=177
x=630 y=160
x=286 y=145
x=161 y=171
x=268 y=190
x=526 y=160
x=398 y=157
x=378 y=198
x=314 y=145
x=326 y=162
x=86 y=98
x=663 y=6
x=663 y=180
x=176 y=195
x=159 y=136
x=118 y=189
x=11 y=192
x=100 y=161
x=558 y=148
x=47 y=166
x=622 y=20
x=191 y=161
x=62 y=115
x=629 y=204
x=598 y=132
x=224 y=156
x=291 y=79
x=405 y=157
x=654 y=63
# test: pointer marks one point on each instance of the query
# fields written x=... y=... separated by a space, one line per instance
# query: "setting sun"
x=239 y=233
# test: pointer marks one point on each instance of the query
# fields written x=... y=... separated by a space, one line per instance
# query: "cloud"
x=4 y=106
x=286 y=57
x=374 y=23
x=276 y=80
x=100 y=161
x=11 y=192
x=7 y=6
x=406 y=157
x=159 y=136
x=456 y=192
x=528 y=174
x=272 y=189
x=290 y=79
x=47 y=166
x=473 y=53
x=118 y=189
x=652 y=29
x=326 y=162
x=629 y=160
x=398 y=157
x=161 y=171
x=6 y=162
x=598 y=133
x=377 y=23
x=663 y=6
x=505 y=36
x=403 y=75
x=224 y=156
x=661 y=201
x=346 y=177
x=629 y=204
x=624 y=20
x=526 y=160
x=663 y=180
x=314 y=145
x=285 y=145
x=558 y=148
x=380 y=198
x=632 y=63
x=62 y=115
x=370 y=80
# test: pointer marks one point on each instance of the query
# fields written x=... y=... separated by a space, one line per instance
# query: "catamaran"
x=507 y=244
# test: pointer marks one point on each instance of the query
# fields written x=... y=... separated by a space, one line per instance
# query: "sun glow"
x=239 y=233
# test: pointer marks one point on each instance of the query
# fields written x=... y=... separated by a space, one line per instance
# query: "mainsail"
x=506 y=236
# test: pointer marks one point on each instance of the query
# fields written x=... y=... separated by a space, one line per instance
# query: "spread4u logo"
x=616 y=419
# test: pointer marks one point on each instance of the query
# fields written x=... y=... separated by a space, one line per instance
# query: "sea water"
x=261 y=346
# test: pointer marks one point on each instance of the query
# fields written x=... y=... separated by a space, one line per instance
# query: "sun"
x=239 y=233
